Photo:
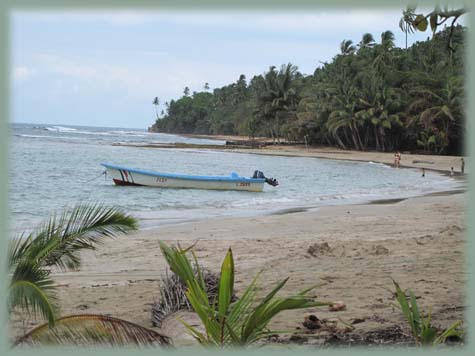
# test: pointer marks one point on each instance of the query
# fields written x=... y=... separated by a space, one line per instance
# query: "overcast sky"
x=105 y=68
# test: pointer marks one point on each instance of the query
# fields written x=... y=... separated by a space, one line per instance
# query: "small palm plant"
x=57 y=243
x=227 y=323
x=422 y=330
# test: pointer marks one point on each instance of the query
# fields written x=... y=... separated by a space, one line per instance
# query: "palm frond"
x=34 y=296
x=93 y=329
x=59 y=240
x=57 y=243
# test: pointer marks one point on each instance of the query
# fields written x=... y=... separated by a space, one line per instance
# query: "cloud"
x=313 y=20
x=22 y=73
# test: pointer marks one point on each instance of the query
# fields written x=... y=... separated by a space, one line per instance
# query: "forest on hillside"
x=371 y=96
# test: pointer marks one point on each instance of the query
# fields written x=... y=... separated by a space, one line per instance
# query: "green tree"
x=277 y=101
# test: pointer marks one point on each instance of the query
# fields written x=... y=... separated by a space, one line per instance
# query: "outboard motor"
x=270 y=181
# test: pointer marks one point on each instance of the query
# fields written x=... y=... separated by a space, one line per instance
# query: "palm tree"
x=439 y=110
x=384 y=56
x=367 y=41
x=156 y=102
x=57 y=243
x=278 y=97
x=347 y=48
x=387 y=39
x=381 y=108
x=407 y=20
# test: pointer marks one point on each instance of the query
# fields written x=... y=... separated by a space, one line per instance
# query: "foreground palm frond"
x=92 y=329
x=58 y=243
x=423 y=331
x=229 y=323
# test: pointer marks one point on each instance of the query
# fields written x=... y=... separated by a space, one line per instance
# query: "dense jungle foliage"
x=371 y=96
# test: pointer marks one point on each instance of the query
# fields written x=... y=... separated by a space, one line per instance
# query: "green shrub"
x=227 y=323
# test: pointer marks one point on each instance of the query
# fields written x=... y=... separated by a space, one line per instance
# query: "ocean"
x=53 y=167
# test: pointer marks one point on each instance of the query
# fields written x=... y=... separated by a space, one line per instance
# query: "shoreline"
x=437 y=163
x=418 y=241
x=366 y=248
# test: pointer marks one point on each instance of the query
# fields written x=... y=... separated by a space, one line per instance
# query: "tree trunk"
x=376 y=138
x=342 y=145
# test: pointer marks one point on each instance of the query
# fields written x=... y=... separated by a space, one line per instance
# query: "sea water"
x=54 y=167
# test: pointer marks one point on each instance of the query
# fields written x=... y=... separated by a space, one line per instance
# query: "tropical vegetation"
x=57 y=244
x=424 y=333
x=227 y=323
x=371 y=96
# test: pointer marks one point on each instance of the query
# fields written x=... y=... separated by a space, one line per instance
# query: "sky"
x=105 y=68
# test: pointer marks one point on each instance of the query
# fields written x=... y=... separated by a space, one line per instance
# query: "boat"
x=138 y=177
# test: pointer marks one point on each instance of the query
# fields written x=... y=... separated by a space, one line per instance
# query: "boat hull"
x=134 y=177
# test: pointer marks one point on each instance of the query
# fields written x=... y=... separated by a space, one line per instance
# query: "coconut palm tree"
x=367 y=41
x=347 y=48
x=278 y=97
x=57 y=243
x=387 y=39
x=156 y=102
x=384 y=55
x=440 y=110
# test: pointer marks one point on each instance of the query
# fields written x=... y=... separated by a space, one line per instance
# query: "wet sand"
x=419 y=242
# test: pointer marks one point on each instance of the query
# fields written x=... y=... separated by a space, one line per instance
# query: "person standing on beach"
x=452 y=171
x=462 y=165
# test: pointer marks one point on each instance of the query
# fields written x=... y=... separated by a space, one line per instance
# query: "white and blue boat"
x=132 y=176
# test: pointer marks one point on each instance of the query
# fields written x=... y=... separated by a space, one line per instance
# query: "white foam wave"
x=60 y=129
x=379 y=164
x=49 y=137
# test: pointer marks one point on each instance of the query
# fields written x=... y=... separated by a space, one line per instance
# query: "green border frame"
x=6 y=6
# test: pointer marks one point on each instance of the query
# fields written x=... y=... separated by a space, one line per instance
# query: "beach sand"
x=417 y=241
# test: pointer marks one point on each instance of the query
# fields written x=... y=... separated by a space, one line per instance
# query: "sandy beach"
x=408 y=160
x=417 y=241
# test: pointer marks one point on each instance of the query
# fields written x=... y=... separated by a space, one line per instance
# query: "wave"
x=60 y=129
x=379 y=164
x=131 y=133
x=98 y=133
x=49 y=137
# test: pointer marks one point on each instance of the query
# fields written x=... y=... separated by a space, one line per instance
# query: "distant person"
x=452 y=171
x=462 y=165
x=423 y=172
x=397 y=159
